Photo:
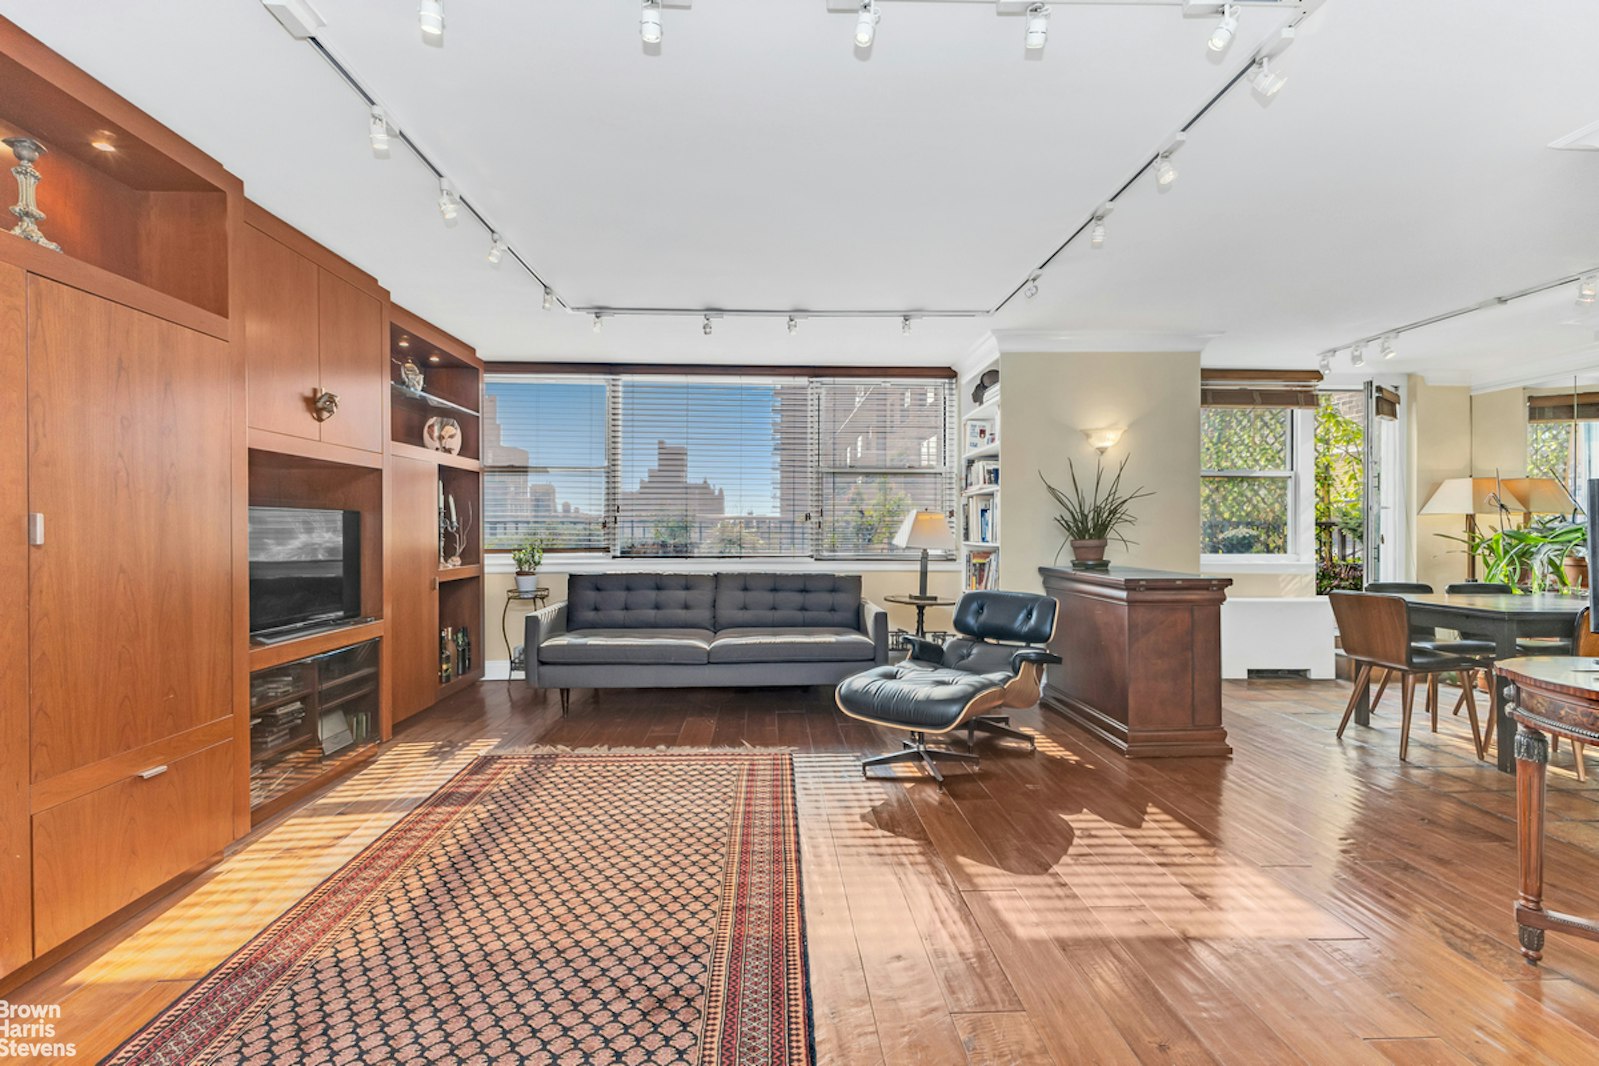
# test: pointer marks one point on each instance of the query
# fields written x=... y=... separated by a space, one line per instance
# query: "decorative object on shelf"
x=27 y=212
x=446 y=656
x=453 y=529
x=411 y=376
x=324 y=405
x=986 y=383
x=929 y=531
x=1089 y=521
x=980 y=435
x=463 y=652
x=442 y=435
x=527 y=559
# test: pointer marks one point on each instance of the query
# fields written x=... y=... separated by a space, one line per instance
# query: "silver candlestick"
x=26 y=149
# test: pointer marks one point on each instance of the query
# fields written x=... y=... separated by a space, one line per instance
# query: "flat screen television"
x=305 y=568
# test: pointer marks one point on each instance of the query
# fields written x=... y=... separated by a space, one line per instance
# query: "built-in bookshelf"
x=980 y=493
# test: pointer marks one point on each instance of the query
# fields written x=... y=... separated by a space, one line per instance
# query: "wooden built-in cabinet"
x=426 y=599
x=118 y=767
x=310 y=323
x=163 y=366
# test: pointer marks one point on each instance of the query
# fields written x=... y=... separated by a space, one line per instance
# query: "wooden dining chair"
x=1400 y=588
x=1375 y=630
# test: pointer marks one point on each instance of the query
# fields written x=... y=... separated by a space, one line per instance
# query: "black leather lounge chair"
x=996 y=662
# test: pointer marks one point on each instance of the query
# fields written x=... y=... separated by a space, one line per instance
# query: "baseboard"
x=498 y=670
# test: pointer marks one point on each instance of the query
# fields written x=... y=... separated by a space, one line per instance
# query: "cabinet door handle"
x=36 y=529
x=154 y=771
x=324 y=405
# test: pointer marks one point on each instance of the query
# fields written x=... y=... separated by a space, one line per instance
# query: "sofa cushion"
x=641 y=601
x=789 y=600
x=613 y=647
x=780 y=644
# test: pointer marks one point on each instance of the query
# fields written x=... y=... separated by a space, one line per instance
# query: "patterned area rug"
x=552 y=907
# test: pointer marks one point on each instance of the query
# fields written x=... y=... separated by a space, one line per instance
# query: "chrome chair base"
x=915 y=750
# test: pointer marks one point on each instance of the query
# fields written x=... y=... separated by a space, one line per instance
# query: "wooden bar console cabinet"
x=1550 y=696
x=1140 y=658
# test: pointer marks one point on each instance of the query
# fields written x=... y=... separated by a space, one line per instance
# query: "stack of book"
x=981 y=473
x=982 y=522
x=273 y=728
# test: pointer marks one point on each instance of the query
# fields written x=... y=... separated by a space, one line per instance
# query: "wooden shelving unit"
x=429 y=600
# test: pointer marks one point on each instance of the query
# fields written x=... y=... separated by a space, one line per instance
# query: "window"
x=652 y=466
x=1247 y=487
x=544 y=463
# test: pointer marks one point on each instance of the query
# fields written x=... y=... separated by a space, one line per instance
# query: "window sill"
x=1256 y=564
x=599 y=563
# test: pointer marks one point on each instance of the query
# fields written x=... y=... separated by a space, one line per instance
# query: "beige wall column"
x=1050 y=398
x=1440 y=447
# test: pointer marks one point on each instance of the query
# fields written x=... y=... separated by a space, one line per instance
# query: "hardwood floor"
x=1306 y=901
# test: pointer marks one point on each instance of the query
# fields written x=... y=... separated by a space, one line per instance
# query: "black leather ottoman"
x=922 y=701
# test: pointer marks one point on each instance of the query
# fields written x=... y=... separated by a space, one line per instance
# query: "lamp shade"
x=925 y=529
x=1472 y=495
x=1540 y=495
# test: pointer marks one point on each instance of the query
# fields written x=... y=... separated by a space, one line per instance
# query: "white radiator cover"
x=1277 y=633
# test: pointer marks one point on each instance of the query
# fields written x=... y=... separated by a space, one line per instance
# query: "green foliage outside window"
x=1247 y=456
x=1549 y=450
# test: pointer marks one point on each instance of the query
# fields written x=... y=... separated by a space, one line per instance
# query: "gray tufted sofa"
x=681 y=630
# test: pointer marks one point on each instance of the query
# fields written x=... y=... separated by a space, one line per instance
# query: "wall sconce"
x=1102 y=440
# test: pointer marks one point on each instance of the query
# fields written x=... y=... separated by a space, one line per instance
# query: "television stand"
x=285 y=634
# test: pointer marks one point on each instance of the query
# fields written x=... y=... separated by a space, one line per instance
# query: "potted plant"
x=1090 y=520
x=527 y=559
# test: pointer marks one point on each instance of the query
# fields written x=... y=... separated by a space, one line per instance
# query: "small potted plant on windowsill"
x=1090 y=520
x=527 y=559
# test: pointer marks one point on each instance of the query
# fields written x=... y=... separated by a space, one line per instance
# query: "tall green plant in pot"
x=1090 y=519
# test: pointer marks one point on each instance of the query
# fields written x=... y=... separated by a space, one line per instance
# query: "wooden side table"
x=537 y=598
x=1547 y=695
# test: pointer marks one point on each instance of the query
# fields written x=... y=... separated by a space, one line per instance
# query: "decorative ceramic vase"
x=1089 y=554
x=526 y=584
x=411 y=376
x=442 y=435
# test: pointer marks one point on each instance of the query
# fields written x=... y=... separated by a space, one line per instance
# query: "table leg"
x=921 y=628
x=1532 y=765
x=1505 y=757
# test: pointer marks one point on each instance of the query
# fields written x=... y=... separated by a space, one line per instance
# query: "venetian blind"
x=544 y=462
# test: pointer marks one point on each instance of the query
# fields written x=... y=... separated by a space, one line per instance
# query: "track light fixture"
x=1357 y=355
x=1165 y=172
x=497 y=250
x=378 y=132
x=449 y=202
x=1221 y=38
x=708 y=329
x=430 y=15
x=1588 y=290
x=1324 y=363
x=1266 y=82
x=866 y=24
x=549 y=298
x=1037 y=27
x=649 y=23
x=905 y=325
x=599 y=322
x=1387 y=351
x=1097 y=234
x=1032 y=287
x=793 y=325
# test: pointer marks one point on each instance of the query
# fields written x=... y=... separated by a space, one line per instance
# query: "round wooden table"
x=921 y=603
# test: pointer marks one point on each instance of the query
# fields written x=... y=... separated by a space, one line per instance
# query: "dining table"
x=1503 y=618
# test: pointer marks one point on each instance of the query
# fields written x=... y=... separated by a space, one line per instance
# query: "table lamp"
x=1540 y=495
x=929 y=531
x=1472 y=496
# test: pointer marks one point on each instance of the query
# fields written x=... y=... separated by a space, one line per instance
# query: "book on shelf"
x=982 y=520
x=980 y=571
x=982 y=473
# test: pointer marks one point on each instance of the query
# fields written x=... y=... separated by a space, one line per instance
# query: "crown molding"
x=1536 y=375
x=977 y=357
x=1030 y=340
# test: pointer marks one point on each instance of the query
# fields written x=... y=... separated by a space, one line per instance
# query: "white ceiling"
x=759 y=161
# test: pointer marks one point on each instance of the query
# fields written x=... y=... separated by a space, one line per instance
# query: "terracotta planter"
x=526 y=584
x=1089 y=554
x=1576 y=568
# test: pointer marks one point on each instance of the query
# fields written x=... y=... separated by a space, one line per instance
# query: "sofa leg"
x=566 y=701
